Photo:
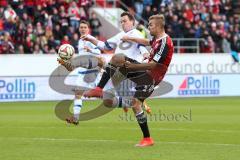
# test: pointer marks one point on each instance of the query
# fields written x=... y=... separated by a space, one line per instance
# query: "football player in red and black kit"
x=146 y=75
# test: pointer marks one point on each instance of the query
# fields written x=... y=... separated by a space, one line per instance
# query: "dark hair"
x=130 y=16
x=85 y=22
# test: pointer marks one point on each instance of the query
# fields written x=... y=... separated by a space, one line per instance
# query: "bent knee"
x=118 y=59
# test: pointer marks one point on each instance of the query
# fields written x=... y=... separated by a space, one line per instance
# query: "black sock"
x=109 y=71
x=142 y=121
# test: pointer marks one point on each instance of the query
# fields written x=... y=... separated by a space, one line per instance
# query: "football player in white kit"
x=131 y=50
x=86 y=77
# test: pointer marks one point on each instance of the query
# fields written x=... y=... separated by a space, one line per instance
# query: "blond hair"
x=159 y=18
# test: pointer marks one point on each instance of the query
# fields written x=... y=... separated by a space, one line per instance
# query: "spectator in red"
x=65 y=40
x=20 y=33
x=208 y=45
x=215 y=6
x=1 y=26
x=42 y=3
x=188 y=14
x=85 y=4
x=74 y=15
x=3 y=3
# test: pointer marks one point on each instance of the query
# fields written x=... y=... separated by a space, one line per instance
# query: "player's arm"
x=90 y=47
x=156 y=62
x=142 y=41
x=90 y=39
x=142 y=48
x=100 y=44
x=92 y=50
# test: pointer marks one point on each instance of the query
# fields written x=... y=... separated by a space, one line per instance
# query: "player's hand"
x=87 y=49
x=128 y=65
x=126 y=39
x=146 y=56
x=85 y=37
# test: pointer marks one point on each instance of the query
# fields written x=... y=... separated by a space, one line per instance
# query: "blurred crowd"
x=41 y=26
x=212 y=20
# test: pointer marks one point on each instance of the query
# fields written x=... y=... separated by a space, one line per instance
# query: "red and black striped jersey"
x=161 y=52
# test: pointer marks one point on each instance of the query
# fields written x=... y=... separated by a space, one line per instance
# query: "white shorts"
x=88 y=78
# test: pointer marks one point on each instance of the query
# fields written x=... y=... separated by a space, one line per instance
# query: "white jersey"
x=130 y=49
x=87 y=78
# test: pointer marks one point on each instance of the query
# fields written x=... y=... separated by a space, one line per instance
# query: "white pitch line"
x=118 y=141
x=128 y=128
x=178 y=129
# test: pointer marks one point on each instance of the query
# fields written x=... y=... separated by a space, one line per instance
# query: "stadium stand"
x=40 y=26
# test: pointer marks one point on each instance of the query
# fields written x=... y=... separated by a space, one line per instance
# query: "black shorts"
x=144 y=82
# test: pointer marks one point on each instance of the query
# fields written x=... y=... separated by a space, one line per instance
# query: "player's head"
x=156 y=24
x=84 y=27
x=127 y=21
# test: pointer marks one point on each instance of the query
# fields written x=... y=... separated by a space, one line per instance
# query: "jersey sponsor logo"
x=157 y=57
x=204 y=85
x=17 y=89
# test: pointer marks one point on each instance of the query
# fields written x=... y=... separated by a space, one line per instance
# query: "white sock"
x=137 y=114
x=77 y=108
x=122 y=102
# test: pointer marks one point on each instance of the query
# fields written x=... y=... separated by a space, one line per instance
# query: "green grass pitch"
x=205 y=129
